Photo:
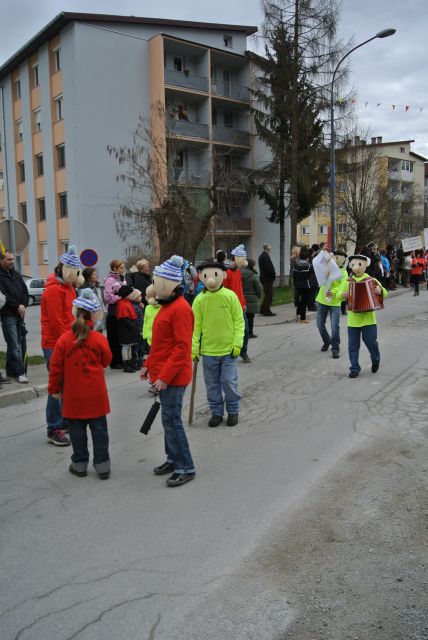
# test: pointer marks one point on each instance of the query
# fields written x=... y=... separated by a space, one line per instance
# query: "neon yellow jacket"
x=337 y=288
x=219 y=323
x=150 y=313
x=365 y=317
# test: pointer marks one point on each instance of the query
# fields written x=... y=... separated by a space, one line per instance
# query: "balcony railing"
x=226 y=134
x=182 y=177
x=233 y=224
x=186 y=128
x=230 y=90
x=186 y=80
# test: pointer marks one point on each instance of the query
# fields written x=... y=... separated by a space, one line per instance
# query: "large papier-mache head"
x=167 y=277
x=359 y=264
x=72 y=268
x=339 y=257
x=212 y=275
x=88 y=300
x=240 y=256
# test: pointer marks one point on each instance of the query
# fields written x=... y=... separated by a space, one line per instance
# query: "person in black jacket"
x=303 y=272
x=12 y=315
x=267 y=278
x=140 y=279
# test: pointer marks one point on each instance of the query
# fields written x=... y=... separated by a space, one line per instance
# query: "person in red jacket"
x=169 y=367
x=56 y=317
x=418 y=266
x=234 y=282
x=77 y=376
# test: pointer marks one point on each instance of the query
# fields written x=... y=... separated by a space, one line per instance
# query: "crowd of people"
x=157 y=323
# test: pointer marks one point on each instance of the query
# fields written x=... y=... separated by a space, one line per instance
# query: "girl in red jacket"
x=76 y=375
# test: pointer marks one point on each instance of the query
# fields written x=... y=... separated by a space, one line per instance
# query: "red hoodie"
x=234 y=283
x=56 y=315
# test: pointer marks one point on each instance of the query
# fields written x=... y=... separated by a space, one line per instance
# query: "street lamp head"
x=385 y=33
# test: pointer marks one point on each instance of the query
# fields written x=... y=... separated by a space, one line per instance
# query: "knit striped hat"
x=70 y=258
x=170 y=269
x=87 y=300
x=239 y=251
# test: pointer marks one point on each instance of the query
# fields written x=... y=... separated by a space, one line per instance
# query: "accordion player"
x=363 y=297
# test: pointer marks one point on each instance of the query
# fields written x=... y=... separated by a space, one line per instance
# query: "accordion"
x=363 y=297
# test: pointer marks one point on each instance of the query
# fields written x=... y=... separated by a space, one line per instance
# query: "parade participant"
x=90 y=276
x=77 y=376
x=362 y=324
x=152 y=309
x=418 y=266
x=218 y=336
x=169 y=367
x=328 y=304
x=128 y=325
x=116 y=276
x=56 y=318
x=233 y=281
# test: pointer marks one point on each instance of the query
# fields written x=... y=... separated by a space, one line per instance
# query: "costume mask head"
x=88 y=300
x=359 y=264
x=339 y=257
x=212 y=274
x=72 y=268
x=167 y=279
x=150 y=296
x=240 y=256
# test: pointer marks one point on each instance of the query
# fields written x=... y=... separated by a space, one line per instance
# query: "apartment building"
x=401 y=170
x=81 y=84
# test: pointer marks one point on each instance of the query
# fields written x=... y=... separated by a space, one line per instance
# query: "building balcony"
x=179 y=176
x=186 y=80
x=229 y=90
x=231 y=136
x=188 y=129
x=233 y=225
x=394 y=174
x=408 y=176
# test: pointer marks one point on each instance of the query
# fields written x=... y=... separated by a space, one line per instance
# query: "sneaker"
x=335 y=354
x=4 y=380
x=163 y=469
x=354 y=374
x=232 y=419
x=22 y=379
x=58 y=438
x=214 y=421
x=245 y=358
x=375 y=367
x=79 y=474
x=179 y=478
x=325 y=347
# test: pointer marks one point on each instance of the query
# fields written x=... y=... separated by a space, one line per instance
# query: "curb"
x=18 y=396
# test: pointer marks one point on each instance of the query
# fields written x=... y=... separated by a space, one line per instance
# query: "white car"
x=35 y=288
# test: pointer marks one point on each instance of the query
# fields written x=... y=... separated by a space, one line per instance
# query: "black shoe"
x=269 y=314
x=375 y=367
x=79 y=474
x=127 y=367
x=214 y=421
x=335 y=354
x=312 y=309
x=134 y=364
x=104 y=476
x=245 y=358
x=179 y=478
x=325 y=347
x=252 y=335
x=166 y=467
x=232 y=419
x=354 y=374
x=4 y=380
x=116 y=366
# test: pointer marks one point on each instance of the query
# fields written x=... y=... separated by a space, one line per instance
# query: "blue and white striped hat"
x=70 y=258
x=239 y=251
x=170 y=269
x=87 y=300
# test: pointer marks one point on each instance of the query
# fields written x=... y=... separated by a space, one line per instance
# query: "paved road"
x=32 y=321
x=130 y=559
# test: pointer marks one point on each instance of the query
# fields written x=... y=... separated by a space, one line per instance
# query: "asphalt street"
x=131 y=559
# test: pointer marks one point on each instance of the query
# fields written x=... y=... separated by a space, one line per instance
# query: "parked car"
x=35 y=288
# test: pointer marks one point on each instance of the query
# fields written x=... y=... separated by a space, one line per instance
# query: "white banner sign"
x=411 y=244
x=426 y=238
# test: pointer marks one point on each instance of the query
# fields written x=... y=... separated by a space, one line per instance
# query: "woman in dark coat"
x=253 y=293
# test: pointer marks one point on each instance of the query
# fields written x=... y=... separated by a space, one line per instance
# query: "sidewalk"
x=16 y=393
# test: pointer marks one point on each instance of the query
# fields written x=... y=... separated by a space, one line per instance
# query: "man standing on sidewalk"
x=12 y=315
x=267 y=278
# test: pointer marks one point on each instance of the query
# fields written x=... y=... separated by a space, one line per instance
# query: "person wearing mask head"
x=112 y=283
x=90 y=275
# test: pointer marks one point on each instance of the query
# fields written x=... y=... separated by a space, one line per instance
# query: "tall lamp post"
x=382 y=34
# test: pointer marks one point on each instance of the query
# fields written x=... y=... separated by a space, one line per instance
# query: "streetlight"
x=385 y=33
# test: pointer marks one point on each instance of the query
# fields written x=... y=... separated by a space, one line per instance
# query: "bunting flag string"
x=395 y=107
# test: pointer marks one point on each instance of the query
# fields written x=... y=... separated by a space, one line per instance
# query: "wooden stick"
x=193 y=390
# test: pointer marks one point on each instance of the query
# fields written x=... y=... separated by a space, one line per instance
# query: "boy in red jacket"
x=169 y=367
x=77 y=375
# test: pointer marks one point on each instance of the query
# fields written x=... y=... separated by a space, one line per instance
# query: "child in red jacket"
x=76 y=374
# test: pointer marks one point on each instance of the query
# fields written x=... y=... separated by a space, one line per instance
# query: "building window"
x=323 y=229
x=38 y=120
x=304 y=231
x=57 y=59
x=19 y=130
x=227 y=41
x=228 y=119
x=60 y=150
x=58 y=107
x=1 y=181
x=44 y=252
x=17 y=89
x=23 y=208
x=411 y=167
x=39 y=163
x=36 y=75
x=342 y=228
x=1 y=213
x=64 y=246
x=21 y=171
x=402 y=150
x=178 y=63
x=42 y=209
x=63 y=205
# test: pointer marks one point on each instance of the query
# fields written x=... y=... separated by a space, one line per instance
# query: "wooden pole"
x=193 y=390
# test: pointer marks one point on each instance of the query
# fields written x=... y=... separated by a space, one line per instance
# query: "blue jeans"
x=246 y=334
x=14 y=333
x=176 y=444
x=221 y=376
x=323 y=310
x=369 y=335
x=53 y=407
x=79 y=442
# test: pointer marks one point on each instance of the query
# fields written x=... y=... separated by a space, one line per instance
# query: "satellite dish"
x=22 y=237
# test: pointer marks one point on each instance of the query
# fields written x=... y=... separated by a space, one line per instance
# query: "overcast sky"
x=386 y=72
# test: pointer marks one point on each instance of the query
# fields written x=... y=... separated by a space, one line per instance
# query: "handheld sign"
x=89 y=258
